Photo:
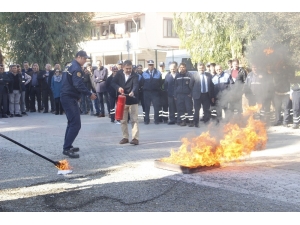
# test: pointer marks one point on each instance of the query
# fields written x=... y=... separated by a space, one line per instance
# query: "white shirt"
x=126 y=77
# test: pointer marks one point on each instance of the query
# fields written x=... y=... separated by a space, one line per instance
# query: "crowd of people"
x=176 y=95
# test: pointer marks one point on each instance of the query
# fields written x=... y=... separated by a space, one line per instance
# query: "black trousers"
x=58 y=106
x=163 y=113
x=103 y=97
x=112 y=102
x=27 y=98
x=151 y=96
x=3 y=103
x=35 y=93
x=47 y=94
x=184 y=105
x=141 y=99
x=281 y=102
x=172 y=109
x=204 y=100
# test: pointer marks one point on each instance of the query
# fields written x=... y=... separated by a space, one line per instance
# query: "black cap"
x=150 y=62
x=120 y=62
x=212 y=64
x=82 y=54
x=161 y=64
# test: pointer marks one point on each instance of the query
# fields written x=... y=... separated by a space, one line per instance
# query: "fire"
x=63 y=165
x=236 y=142
x=268 y=51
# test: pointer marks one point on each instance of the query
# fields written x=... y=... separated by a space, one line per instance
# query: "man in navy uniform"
x=72 y=87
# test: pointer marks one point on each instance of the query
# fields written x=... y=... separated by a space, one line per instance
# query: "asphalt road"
x=109 y=177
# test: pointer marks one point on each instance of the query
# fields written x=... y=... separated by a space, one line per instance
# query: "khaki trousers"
x=133 y=110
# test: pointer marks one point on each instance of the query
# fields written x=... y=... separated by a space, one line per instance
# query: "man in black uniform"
x=72 y=87
x=183 y=96
x=281 y=97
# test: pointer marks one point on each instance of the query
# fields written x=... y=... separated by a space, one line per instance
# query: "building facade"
x=138 y=36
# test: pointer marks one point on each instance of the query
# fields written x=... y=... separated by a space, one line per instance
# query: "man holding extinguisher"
x=126 y=82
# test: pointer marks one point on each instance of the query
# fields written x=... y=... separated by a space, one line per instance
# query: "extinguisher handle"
x=128 y=95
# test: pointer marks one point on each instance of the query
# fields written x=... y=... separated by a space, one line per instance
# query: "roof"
x=109 y=16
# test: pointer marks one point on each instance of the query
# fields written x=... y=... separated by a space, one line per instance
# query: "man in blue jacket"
x=222 y=82
x=151 y=82
x=72 y=87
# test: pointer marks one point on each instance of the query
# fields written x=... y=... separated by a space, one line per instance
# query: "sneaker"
x=134 y=142
x=24 y=113
x=118 y=122
x=70 y=153
x=18 y=115
x=171 y=123
x=124 y=141
x=4 y=116
x=11 y=115
x=295 y=126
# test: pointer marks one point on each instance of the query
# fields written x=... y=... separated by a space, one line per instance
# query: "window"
x=169 y=29
x=130 y=26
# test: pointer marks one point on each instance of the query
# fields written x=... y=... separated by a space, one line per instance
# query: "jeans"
x=14 y=102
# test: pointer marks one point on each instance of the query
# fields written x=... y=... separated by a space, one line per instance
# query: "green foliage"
x=43 y=37
x=219 y=36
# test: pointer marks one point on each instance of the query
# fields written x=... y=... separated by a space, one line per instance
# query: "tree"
x=214 y=37
x=43 y=37
x=218 y=36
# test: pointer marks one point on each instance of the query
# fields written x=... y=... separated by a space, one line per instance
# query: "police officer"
x=72 y=87
x=151 y=82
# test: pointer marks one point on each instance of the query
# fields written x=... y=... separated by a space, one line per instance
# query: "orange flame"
x=63 y=165
x=268 y=51
x=236 y=142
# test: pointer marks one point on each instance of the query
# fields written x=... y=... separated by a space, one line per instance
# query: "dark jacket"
x=100 y=77
x=72 y=83
x=110 y=89
x=151 y=83
x=46 y=79
x=12 y=80
x=182 y=84
x=241 y=76
x=170 y=84
x=4 y=82
x=132 y=84
x=39 y=78
x=195 y=85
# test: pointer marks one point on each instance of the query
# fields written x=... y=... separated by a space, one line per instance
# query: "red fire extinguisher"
x=120 y=107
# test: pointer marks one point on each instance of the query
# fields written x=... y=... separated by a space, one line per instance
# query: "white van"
x=180 y=56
